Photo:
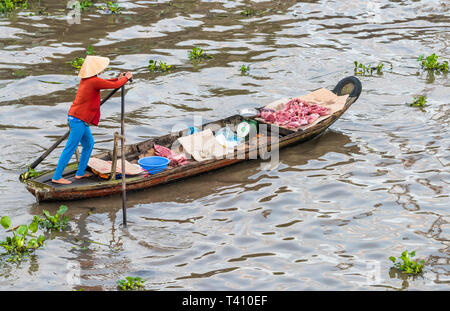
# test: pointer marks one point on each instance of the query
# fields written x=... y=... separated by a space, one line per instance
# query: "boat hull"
x=44 y=190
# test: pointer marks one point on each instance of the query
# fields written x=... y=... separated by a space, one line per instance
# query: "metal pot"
x=248 y=113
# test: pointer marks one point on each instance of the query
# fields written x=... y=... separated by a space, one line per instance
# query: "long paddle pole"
x=60 y=140
x=122 y=151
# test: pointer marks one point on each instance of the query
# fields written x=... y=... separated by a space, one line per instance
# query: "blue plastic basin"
x=153 y=165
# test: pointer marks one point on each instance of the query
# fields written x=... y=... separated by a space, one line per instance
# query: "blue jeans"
x=79 y=133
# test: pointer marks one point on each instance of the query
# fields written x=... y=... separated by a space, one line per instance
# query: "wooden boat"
x=44 y=190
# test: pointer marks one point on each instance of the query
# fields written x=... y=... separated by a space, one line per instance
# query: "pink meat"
x=295 y=113
x=270 y=118
x=175 y=159
x=267 y=114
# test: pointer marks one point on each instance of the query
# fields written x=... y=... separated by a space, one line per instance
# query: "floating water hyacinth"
x=155 y=67
x=78 y=61
x=11 y=5
x=111 y=7
x=130 y=283
x=431 y=63
x=419 y=101
x=361 y=69
x=198 y=53
x=56 y=222
x=406 y=264
x=23 y=242
x=244 y=69
x=85 y=4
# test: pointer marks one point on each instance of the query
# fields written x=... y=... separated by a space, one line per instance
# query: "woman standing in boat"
x=85 y=111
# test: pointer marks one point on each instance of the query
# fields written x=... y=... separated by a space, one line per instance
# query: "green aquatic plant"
x=31 y=172
x=361 y=69
x=56 y=222
x=406 y=264
x=251 y=12
x=431 y=63
x=112 y=7
x=198 y=53
x=379 y=67
x=248 y=12
x=418 y=101
x=90 y=50
x=77 y=62
x=82 y=5
x=130 y=283
x=244 y=69
x=162 y=67
x=6 y=6
x=23 y=242
x=152 y=65
x=11 y=5
x=85 y=4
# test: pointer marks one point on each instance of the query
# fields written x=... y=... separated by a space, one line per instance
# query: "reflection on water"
x=328 y=217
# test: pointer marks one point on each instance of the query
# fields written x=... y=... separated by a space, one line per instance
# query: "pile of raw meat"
x=175 y=159
x=295 y=113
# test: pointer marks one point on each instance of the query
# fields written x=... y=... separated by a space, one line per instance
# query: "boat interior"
x=134 y=152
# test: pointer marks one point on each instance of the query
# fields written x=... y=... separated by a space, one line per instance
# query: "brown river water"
x=328 y=217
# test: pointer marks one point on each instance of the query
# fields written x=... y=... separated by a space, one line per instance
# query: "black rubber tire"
x=349 y=85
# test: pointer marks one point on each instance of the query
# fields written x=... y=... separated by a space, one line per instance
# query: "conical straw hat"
x=93 y=65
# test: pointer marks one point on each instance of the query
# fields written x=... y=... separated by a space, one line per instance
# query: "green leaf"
x=53 y=219
x=33 y=243
x=62 y=210
x=412 y=254
x=90 y=50
x=16 y=239
x=50 y=82
x=33 y=227
x=41 y=239
x=20 y=242
x=6 y=222
x=392 y=258
x=22 y=230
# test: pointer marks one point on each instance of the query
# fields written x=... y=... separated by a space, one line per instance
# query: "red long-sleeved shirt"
x=86 y=105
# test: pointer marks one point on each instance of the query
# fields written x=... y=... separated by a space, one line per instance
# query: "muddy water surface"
x=327 y=218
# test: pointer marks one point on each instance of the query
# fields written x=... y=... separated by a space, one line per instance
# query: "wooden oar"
x=60 y=140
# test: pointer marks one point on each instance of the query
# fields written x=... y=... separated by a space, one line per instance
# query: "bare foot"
x=62 y=181
x=85 y=175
